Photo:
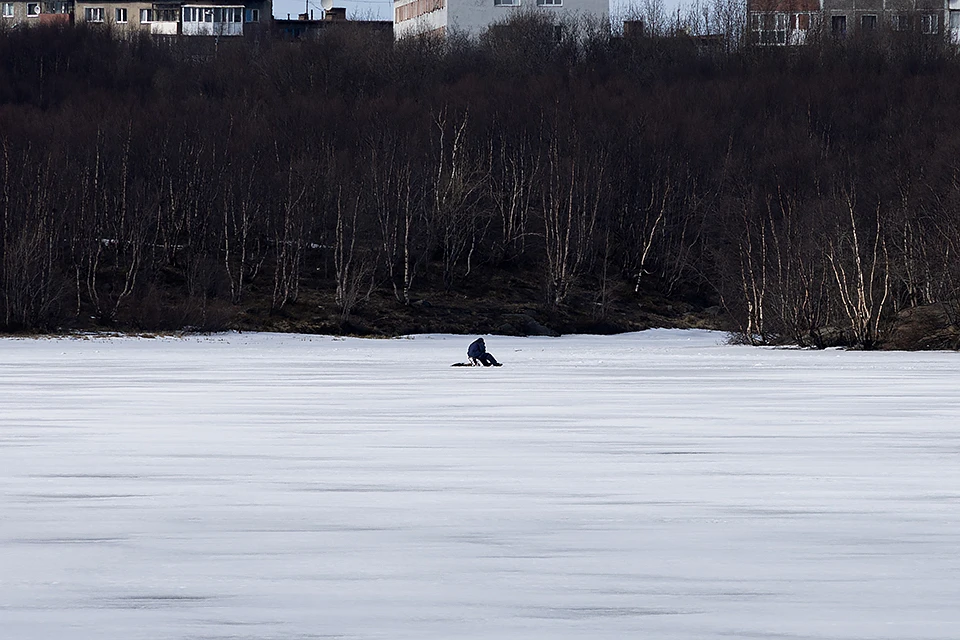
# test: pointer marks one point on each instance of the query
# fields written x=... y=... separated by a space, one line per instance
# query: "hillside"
x=516 y=183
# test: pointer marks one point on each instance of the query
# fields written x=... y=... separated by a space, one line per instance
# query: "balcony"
x=163 y=28
x=55 y=18
x=212 y=20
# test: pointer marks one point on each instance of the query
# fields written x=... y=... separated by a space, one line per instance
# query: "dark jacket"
x=476 y=349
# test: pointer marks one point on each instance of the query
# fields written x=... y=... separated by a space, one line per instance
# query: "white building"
x=412 y=17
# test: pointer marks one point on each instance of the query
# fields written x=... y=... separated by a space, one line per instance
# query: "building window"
x=93 y=14
x=163 y=15
x=120 y=15
x=253 y=15
x=769 y=28
x=228 y=15
x=33 y=9
x=7 y=9
x=549 y=3
x=224 y=14
x=868 y=22
x=838 y=25
x=901 y=22
x=506 y=3
x=929 y=23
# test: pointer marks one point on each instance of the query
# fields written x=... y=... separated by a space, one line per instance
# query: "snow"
x=657 y=485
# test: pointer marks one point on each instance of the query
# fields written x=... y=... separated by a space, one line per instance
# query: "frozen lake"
x=658 y=485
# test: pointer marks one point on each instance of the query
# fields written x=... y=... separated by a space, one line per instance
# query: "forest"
x=596 y=182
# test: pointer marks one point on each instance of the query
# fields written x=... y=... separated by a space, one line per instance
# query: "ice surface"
x=651 y=485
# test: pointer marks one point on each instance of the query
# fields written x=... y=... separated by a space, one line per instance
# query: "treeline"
x=812 y=193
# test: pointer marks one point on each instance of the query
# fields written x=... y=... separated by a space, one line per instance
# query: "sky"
x=661 y=484
x=371 y=9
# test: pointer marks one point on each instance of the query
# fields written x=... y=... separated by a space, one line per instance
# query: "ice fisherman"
x=477 y=352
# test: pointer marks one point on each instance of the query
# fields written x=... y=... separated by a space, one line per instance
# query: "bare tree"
x=861 y=269
x=574 y=186
x=457 y=190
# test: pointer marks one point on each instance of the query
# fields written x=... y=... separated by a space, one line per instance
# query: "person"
x=477 y=352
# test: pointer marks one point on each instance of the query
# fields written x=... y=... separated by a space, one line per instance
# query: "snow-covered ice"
x=658 y=485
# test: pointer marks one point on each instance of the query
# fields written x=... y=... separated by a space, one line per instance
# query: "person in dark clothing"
x=477 y=352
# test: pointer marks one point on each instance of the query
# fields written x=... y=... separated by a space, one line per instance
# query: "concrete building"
x=860 y=17
x=212 y=18
x=782 y=22
x=39 y=12
x=472 y=17
x=791 y=22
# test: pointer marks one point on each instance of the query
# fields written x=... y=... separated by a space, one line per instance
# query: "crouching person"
x=477 y=352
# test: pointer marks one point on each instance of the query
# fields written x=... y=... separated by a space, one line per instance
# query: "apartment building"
x=791 y=22
x=209 y=18
x=845 y=17
x=12 y=13
x=474 y=16
x=782 y=22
